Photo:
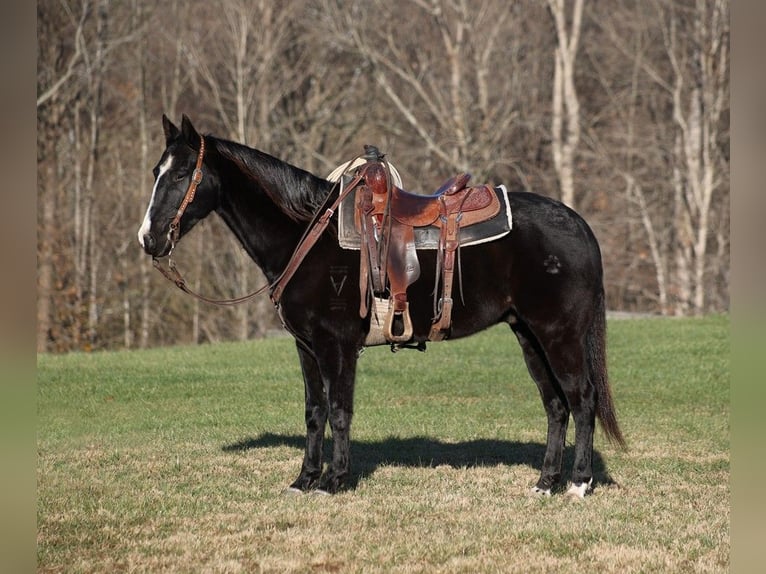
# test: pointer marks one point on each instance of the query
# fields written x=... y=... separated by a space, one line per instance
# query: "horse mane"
x=295 y=191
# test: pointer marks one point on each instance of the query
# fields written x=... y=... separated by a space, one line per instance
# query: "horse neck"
x=247 y=206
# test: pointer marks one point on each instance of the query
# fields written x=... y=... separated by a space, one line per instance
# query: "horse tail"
x=596 y=345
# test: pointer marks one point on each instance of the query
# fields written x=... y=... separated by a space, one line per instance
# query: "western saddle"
x=387 y=217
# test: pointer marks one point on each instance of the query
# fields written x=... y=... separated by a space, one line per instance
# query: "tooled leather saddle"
x=388 y=225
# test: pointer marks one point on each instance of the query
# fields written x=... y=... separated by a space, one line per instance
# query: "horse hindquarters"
x=560 y=371
x=557 y=291
x=579 y=365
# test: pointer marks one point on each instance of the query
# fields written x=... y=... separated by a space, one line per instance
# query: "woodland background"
x=620 y=108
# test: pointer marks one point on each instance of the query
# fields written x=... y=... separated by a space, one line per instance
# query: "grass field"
x=176 y=459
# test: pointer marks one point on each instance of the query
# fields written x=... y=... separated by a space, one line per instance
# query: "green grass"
x=176 y=459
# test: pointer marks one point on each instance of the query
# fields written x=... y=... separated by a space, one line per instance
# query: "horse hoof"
x=536 y=492
x=578 y=491
x=292 y=491
x=320 y=492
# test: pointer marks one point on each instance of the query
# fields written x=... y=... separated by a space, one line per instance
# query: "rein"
x=313 y=231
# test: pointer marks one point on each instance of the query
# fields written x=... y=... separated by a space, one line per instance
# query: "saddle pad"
x=428 y=237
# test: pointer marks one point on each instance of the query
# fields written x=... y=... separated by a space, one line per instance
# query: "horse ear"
x=171 y=131
x=190 y=134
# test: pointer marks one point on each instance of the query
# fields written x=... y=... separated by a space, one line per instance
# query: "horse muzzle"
x=152 y=246
x=148 y=243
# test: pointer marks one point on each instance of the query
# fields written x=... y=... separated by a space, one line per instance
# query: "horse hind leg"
x=556 y=410
x=568 y=364
x=590 y=397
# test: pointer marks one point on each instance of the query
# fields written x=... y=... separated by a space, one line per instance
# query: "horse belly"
x=481 y=291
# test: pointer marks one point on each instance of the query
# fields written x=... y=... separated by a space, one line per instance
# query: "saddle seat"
x=452 y=197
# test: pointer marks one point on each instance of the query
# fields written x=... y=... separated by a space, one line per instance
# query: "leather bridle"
x=172 y=273
x=313 y=231
x=189 y=197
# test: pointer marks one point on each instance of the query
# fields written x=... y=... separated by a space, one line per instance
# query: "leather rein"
x=313 y=231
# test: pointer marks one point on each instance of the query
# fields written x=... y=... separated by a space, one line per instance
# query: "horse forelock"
x=296 y=192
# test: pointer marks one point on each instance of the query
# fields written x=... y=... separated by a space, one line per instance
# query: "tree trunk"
x=565 y=121
x=144 y=267
x=44 y=259
x=92 y=250
x=699 y=92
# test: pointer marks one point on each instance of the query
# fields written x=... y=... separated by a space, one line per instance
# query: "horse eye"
x=180 y=176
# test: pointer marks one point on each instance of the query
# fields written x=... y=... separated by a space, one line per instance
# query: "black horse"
x=544 y=279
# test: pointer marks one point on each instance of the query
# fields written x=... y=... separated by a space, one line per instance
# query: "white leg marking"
x=147 y=223
x=577 y=491
x=538 y=492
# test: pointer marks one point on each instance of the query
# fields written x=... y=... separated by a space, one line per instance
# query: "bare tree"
x=433 y=62
x=244 y=70
x=698 y=54
x=565 y=120
x=620 y=137
x=55 y=64
x=57 y=78
x=62 y=89
x=669 y=141
x=139 y=15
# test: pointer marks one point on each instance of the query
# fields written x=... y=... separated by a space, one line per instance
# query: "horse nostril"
x=149 y=243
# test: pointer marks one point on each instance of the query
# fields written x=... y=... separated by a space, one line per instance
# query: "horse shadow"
x=425 y=452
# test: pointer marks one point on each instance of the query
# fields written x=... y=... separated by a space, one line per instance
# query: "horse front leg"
x=316 y=420
x=337 y=363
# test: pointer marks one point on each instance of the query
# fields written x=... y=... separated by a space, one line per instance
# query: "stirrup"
x=389 y=325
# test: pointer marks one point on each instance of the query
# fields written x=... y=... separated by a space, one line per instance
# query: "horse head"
x=185 y=189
